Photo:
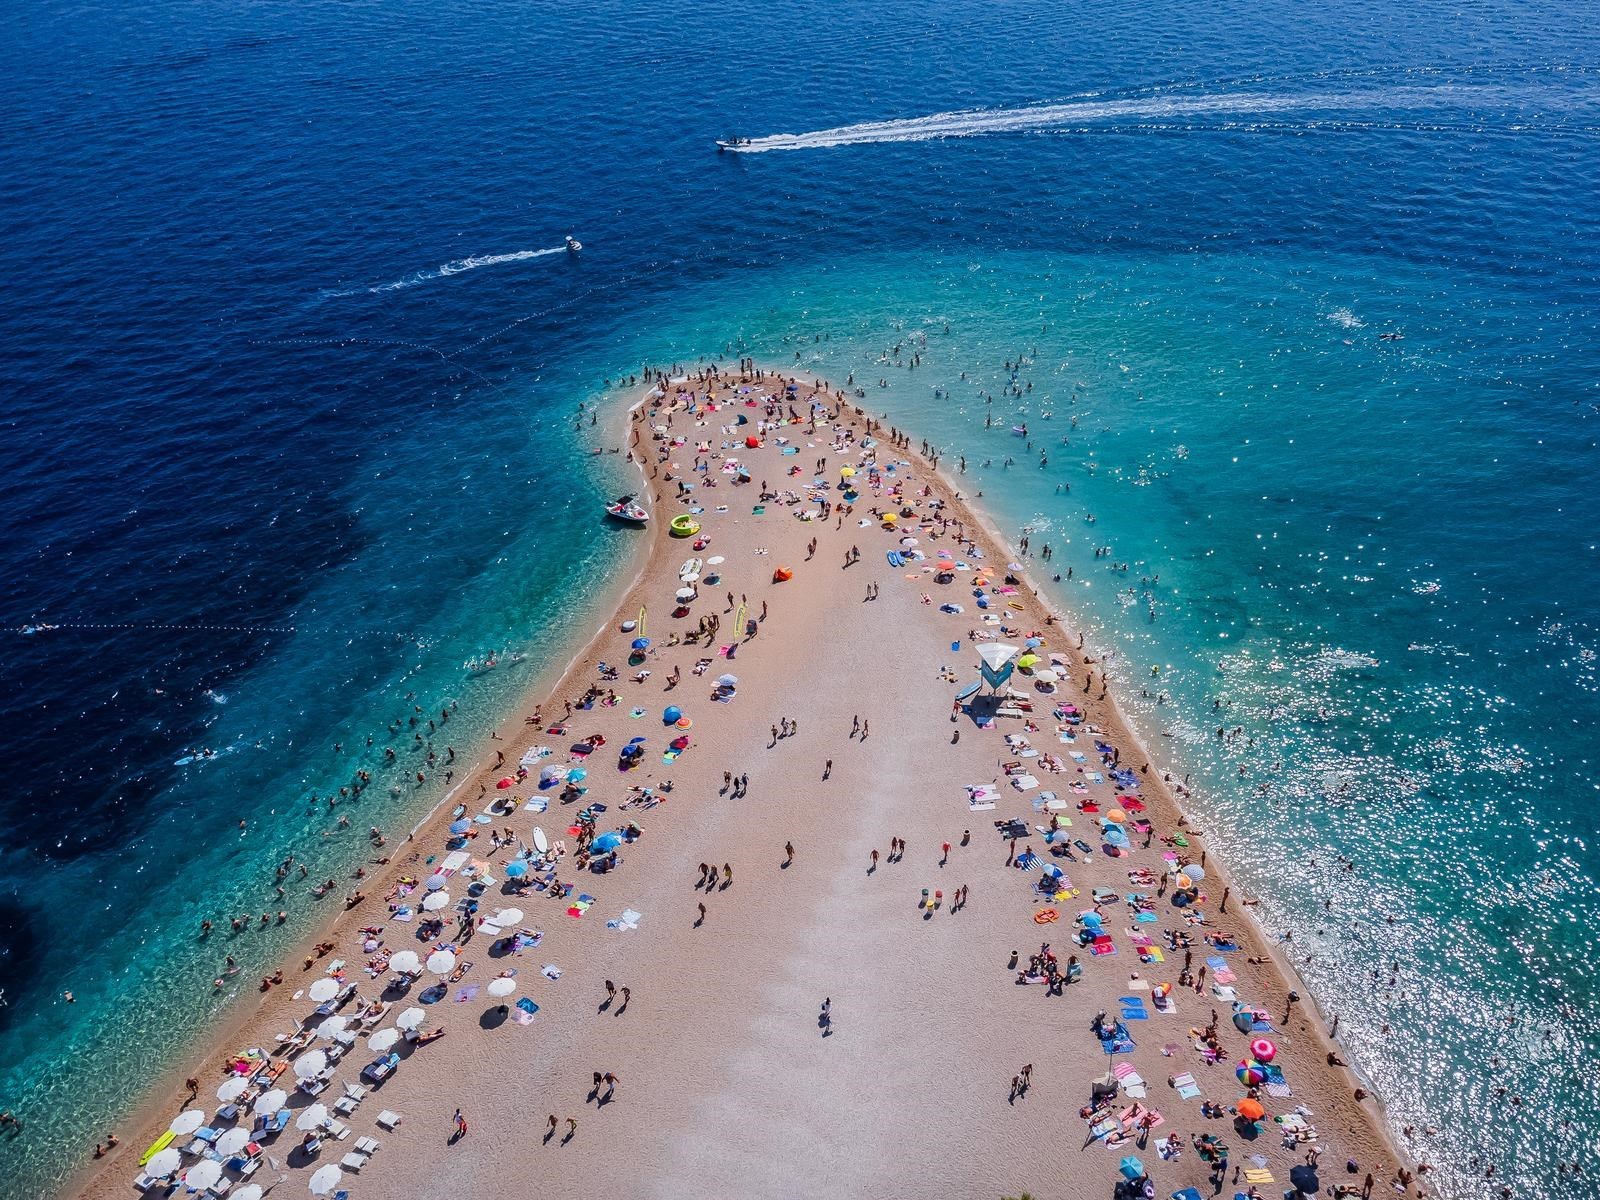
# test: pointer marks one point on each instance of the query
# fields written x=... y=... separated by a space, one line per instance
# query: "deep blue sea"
x=1301 y=306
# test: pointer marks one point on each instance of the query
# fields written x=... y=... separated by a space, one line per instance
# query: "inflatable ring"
x=1045 y=915
x=683 y=526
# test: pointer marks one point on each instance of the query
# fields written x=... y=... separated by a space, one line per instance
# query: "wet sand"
x=726 y=1081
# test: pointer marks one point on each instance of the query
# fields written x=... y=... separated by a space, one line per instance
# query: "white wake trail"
x=455 y=267
x=1045 y=117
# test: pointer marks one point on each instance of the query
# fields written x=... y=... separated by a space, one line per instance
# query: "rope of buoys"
x=198 y=627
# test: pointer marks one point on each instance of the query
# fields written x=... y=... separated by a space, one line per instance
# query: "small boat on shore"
x=627 y=510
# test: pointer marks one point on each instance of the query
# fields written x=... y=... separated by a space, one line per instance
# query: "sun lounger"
x=368 y=1146
x=389 y=1120
x=353 y=1162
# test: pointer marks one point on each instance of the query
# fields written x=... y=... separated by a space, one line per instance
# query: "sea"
x=1278 y=324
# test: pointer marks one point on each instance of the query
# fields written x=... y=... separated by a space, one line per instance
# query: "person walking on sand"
x=866 y=728
x=827 y=769
x=461 y=1126
x=874 y=866
x=572 y=1128
x=702 y=909
x=788 y=850
x=611 y=990
x=727 y=875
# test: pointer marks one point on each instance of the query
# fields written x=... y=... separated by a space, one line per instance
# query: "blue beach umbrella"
x=460 y=826
x=516 y=870
x=1131 y=1168
x=641 y=643
x=605 y=842
x=671 y=715
x=577 y=774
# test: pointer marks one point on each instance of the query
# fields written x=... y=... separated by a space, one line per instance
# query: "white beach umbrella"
x=270 y=1102
x=441 y=962
x=332 y=1027
x=312 y=1118
x=325 y=988
x=507 y=916
x=716 y=560
x=436 y=900
x=406 y=962
x=502 y=986
x=163 y=1162
x=250 y=1191
x=188 y=1122
x=309 y=1066
x=203 y=1174
x=412 y=1018
x=1048 y=675
x=383 y=1040
x=232 y=1141
x=325 y=1179
x=231 y=1089
x=685 y=594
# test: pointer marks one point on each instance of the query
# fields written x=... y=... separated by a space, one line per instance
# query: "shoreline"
x=650 y=560
x=146 y=1114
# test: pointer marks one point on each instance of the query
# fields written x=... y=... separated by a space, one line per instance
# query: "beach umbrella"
x=232 y=1141
x=405 y=962
x=670 y=714
x=441 y=962
x=309 y=1066
x=577 y=774
x=250 y=1191
x=332 y=1027
x=1251 y=1110
x=270 y=1102
x=322 y=989
x=435 y=882
x=312 y=1118
x=716 y=560
x=606 y=842
x=411 y=1018
x=1263 y=1050
x=1116 y=816
x=641 y=643
x=508 y=916
x=1250 y=1074
x=188 y=1122
x=383 y=1040
x=460 y=826
x=163 y=1162
x=1131 y=1168
x=506 y=784
x=1244 y=1022
x=435 y=901
x=1048 y=675
x=685 y=594
x=325 y=1179
x=1027 y=661
x=502 y=986
x=232 y=1089
x=203 y=1174
x=1182 y=880
x=515 y=869
x=727 y=680
x=1304 y=1178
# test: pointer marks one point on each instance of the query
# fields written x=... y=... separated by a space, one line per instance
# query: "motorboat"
x=573 y=244
x=627 y=510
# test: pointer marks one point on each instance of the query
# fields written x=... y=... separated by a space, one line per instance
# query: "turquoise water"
x=295 y=358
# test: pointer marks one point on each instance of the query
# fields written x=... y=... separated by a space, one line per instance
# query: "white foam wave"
x=1049 y=117
x=455 y=267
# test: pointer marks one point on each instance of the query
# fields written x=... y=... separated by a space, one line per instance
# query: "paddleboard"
x=540 y=842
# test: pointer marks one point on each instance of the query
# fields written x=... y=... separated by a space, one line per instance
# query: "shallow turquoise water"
x=292 y=346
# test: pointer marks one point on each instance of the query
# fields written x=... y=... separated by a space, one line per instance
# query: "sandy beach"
x=829 y=1020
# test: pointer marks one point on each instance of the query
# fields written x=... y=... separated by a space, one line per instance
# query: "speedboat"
x=628 y=510
x=573 y=244
x=731 y=143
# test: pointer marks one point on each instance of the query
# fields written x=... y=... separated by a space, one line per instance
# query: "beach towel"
x=466 y=993
x=1259 y=1175
x=1185 y=1085
x=1165 y=1005
x=1219 y=969
x=1133 y=1008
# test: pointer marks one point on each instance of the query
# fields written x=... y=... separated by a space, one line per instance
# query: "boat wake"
x=457 y=267
x=1085 y=114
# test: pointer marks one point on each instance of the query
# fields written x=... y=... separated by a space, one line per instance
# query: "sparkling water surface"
x=294 y=357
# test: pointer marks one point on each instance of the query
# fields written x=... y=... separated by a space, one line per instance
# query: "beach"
x=823 y=1016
